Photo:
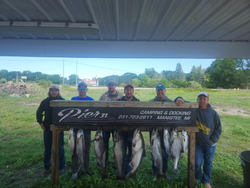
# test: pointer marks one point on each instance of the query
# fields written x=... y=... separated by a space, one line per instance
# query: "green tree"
x=72 y=79
x=243 y=72
x=180 y=75
x=223 y=73
x=4 y=74
x=127 y=77
x=144 y=80
x=55 y=79
x=151 y=73
x=135 y=82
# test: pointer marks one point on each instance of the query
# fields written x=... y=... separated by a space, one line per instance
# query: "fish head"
x=184 y=133
x=166 y=132
x=71 y=131
x=155 y=134
x=175 y=133
x=117 y=135
x=79 y=133
x=98 y=134
x=137 y=134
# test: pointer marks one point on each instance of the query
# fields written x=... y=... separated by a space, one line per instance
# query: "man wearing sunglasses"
x=110 y=95
x=128 y=136
x=82 y=90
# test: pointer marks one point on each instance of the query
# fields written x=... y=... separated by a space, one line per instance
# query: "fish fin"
x=122 y=178
x=161 y=176
x=130 y=175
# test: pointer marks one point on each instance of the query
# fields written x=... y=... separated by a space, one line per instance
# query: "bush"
x=194 y=84
x=44 y=83
x=122 y=85
x=3 y=80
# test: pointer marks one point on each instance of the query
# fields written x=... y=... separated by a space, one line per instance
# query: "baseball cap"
x=204 y=94
x=53 y=86
x=160 y=86
x=129 y=85
x=82 y=84
x=111 y=83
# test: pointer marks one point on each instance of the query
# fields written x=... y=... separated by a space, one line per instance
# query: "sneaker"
x=74 y=176
x=208 y=186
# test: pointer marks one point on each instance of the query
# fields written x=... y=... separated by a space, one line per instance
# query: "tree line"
x=222 y=73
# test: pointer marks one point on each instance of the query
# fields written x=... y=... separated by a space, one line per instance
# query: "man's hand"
x=179 y=102
x=42 y=126
x=211 y=142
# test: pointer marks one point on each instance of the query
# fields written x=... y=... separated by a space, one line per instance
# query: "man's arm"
x=39 y=115
x=217 y=129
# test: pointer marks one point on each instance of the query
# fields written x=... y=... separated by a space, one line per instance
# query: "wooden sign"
x=120 y=113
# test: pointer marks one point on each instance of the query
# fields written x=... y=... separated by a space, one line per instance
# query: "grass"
x=21 y=144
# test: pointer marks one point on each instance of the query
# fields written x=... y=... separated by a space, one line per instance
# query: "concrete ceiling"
x=127 y=28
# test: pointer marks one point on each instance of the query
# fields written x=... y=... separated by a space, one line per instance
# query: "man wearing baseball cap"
x=128 y=136
x=160 y=96
x=208 y=121
x=82 y=90
x=44 y=108
x=110 y=95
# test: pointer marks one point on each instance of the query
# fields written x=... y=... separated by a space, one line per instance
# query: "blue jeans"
x=164 y=157
x=206 y=154
x=127 y=137
x=106 y=136
x=47 y=138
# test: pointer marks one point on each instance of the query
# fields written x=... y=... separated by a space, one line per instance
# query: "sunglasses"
x=80 y=88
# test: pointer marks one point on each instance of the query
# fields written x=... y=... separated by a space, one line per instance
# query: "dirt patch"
x=30 y=104
x=231 y=111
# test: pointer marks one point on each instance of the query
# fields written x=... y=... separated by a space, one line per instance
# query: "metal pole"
x=63 y=72
x=16 y=77
x=76 y=73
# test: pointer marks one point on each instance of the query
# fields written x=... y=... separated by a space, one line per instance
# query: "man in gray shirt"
x=160 y=96
x=110 y=95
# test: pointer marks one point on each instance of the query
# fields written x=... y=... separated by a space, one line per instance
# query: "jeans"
x=206 y=154
x=87 y=138
x=127 y=137
x=106 y=136
x=47 y=139
x=164 y=157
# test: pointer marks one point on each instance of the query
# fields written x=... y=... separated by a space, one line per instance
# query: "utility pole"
x=76 y=73
x=16 y=77
x=63 y=72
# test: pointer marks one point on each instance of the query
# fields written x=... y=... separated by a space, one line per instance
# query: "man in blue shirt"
x=82 y=90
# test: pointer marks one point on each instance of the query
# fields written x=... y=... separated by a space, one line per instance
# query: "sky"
x=90 y=67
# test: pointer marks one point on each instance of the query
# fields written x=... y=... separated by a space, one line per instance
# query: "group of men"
x=208 y=122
